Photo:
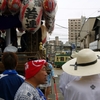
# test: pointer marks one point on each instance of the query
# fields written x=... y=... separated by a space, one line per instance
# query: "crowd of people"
x=79 y=81
x=10 y=80
x=37 y=72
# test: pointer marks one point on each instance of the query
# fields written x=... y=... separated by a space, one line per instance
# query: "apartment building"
x=74 y=27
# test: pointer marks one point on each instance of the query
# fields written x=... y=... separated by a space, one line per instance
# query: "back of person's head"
x=9 y=60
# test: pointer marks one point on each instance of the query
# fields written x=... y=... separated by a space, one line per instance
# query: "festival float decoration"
x=44 y=34
x=14 y=6
x=32 y=11
x=3 y=6
x=50 y=7
x=30 y=15
x=26 y=15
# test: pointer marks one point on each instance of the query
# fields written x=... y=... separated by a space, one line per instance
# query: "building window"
x=75 y=27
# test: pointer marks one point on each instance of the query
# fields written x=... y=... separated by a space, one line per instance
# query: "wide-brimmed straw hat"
x=74 y=54
x=86 y=63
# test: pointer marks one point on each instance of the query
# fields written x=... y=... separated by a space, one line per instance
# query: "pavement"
x=57 y=73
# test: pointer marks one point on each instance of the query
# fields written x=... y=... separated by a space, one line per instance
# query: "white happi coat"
x=87 y=88
x=65 y=79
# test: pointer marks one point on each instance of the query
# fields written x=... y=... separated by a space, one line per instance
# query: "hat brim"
x=74 y=54
x=97 y=53
x=81 y=70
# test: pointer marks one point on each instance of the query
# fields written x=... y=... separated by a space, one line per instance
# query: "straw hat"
x=74 y=54
x=86 y=63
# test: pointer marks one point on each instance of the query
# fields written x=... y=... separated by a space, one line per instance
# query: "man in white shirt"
x=87 y=66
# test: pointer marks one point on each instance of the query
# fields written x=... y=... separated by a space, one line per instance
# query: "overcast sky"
x=68 y=9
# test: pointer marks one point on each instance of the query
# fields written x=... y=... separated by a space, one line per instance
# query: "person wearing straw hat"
x=69 y=78
x=87 y=66
x=35 y=74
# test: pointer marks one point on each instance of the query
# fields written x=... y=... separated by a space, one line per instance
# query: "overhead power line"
x=62 y=26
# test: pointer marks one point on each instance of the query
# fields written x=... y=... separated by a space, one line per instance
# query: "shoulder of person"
x=25 y=95
x=3 y=75
x=21 y=76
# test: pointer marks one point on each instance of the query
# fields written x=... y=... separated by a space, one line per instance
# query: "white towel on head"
x=10 y=48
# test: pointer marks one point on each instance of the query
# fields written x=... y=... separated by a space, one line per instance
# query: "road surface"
x=57 y=72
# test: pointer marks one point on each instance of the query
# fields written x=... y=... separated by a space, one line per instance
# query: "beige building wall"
x=87 y=28
x=57 y=40
x=82 y=44
x=86 y=34
x=74 y=27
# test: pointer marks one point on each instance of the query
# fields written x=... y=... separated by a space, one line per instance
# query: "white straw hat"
x=86 y=63
x=74 y=54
